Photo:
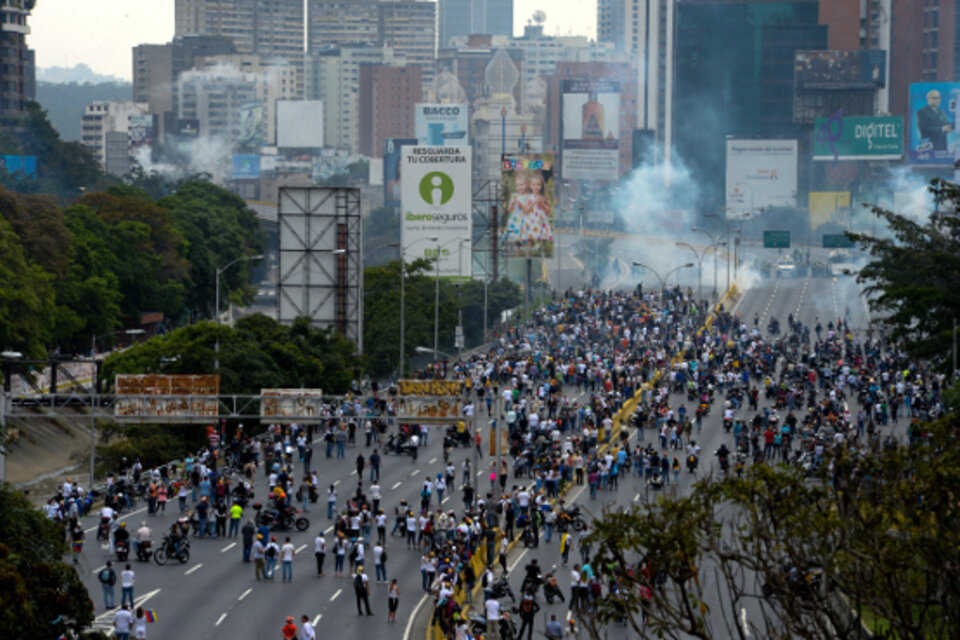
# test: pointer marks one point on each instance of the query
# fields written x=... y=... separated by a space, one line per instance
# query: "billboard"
x=166 y=398
x=299 y=124
x=391 y=169
x=528 y=203
x=140 y=129
x=858 y=138
x=292 y=405
x=828 y=206
x=249 y=126
x=760 y=173
x=932 y=111
x=438 y=125
x=591 y=129
x=832 y=70
x=25 y=165
x=436 y=198
x=246 y=166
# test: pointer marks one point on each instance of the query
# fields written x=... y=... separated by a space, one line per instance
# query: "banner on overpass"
x=291 y=405
x=166 y=398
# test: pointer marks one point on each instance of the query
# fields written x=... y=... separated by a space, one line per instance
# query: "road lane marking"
x=99 y=569
x=228 y=547
x=396 y=485
x=334 y=596
x=245 y=594
x=220 y=619
x=354 y=472
x=336 y=483
x=743 y=621
x=192 y=569
x=300 y=548
x=328 y=529
x=415 y=472
x=317 y=619
x=636 y=497
x=444 y=500
x=432 y=460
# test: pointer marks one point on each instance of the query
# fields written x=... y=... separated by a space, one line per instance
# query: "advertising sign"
x=436 y=201
x=291 y=405
x=430 y=387
x=591 y=129
x=527 y=188
x=861 y=69
x=828 y=206
x=933 y=115
x=24 y=165
x=249 y=126
x=760 y=173
x=246 y=166
x=858 y=138
x=299 y=124
x=140 y=129
x=392 y=170
x=163 y=398
x=439 y=125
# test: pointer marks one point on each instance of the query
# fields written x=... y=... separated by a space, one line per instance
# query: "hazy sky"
x=101 y=33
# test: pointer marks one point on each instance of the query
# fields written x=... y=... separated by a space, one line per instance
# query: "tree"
x=877 y=535
x=42 y=596
x=26 y=298
x=913 y=279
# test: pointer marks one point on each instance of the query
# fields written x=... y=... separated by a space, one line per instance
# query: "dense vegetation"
x=96 y=265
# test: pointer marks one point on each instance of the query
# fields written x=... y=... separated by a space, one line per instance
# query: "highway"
x=215 y=595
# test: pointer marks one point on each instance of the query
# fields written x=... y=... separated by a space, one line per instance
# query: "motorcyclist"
x=143 y=535
x=532 y=571
x=121 y=535
x=177 y=534
x=724 y=455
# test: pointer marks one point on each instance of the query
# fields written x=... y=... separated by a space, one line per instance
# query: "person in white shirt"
x=286 y=554
x=320 y=551
x=379 y=563
x=492 y=607
x=122 y=623
x=306 y=629
x=127 y=578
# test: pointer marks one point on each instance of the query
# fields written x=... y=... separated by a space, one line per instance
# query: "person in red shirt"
x=289 y=630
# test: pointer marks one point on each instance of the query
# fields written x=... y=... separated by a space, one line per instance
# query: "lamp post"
x=663 y=281
x=436 y=300
x=713 y=243
x=403 y=307
x=726 y=225
x=216 y=304
x=700 y=256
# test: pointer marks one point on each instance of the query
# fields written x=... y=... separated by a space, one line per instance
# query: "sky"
x=102 y=33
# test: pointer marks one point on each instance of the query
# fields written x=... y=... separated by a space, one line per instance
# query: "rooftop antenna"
x=539 y=16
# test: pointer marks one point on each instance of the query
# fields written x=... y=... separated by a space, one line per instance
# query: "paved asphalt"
x=215 y=595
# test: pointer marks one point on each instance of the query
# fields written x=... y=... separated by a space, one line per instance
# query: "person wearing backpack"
x=271 y=553
x=108 y=578
x=361 y=589
x=528 y=611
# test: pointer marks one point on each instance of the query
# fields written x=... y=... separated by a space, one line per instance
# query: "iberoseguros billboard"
x=436 y=202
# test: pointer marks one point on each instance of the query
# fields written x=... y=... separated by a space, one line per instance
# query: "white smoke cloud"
x=657 y=198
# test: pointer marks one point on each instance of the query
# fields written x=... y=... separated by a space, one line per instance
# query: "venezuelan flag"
x=151 y=615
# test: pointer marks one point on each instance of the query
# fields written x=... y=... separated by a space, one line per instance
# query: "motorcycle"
x=656 y=479
x=400 y=447
x=528 y=537
x=724 y=463
x=531 y=584
x=103 y=530
x=692 y=462
x=242 y=493
x=501 y=589
x=167 y=550
x=551 y=590
x=727 y=424
x=287 y=519
x=508 y=628
x=144 y=551
x=568 y=518
x=123 y=550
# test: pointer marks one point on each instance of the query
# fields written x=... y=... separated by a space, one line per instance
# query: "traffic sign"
x=776 y=239
x=837 y=241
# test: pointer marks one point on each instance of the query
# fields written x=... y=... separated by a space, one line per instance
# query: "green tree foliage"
x=258 y=353
x=38 y=221
x=26 y=298
x=882 y=532
x=913 y=278
x=218 y=227
x=42 y=596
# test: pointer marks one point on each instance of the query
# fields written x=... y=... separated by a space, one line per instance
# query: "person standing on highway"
x=331 y=501
x=107 y=578
x=381 y=527
x=303 y=494
x=320 y=551
x=380 y=562
x=287 y=552
x=289 y=630
x=361 y=589
x=528 y=612
x=393 y=601
x=259 y=555
x=247 y=533
x=306 y=628
x=127 y=578
x=271 y=552
x=122 y=623
x=236 y=512
x=375 y=466
x=340 y=551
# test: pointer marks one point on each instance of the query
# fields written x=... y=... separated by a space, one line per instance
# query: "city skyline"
x=107 y=34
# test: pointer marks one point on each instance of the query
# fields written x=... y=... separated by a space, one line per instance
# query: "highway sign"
x=837 y=241
x=776 y=239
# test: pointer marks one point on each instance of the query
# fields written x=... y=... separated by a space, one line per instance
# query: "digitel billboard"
x=591 y=129
x=436 y=197
x=858 y=138
x=932 y=110
x=527 y=188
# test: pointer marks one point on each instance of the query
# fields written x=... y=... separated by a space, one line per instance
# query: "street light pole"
x=216 y=310
x=403 y=306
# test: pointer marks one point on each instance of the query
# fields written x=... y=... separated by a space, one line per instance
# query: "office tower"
x=266 y=27
x=387 y=99
x=105 y=130
x=17 y=68
x=468 y=17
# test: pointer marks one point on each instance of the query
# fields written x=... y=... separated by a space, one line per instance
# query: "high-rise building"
x=387 y=98
x=409 y=27
x=266 y=27
x=17 y=68
x=645 y=30
x=467 y=17
x=734 y=76
x=926 y=47
x=333 y=76
x=104 y=130
x=218 y=100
